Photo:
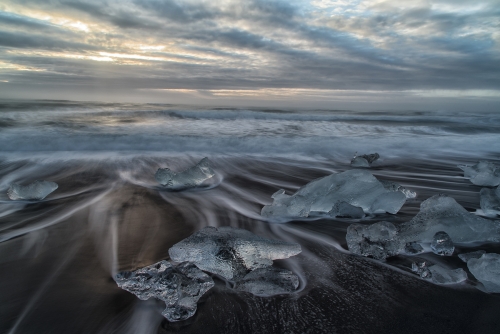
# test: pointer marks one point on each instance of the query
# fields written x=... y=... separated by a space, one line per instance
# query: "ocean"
x=58 y=256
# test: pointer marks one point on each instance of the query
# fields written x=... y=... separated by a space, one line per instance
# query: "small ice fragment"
x=490 y=201
x=37 y=190
x=487 y=271
x=191 y=177
x=364 y=160
x=413 y=248
x=180 y=287
x=393 y=186
x=442 y=275
x=346 y=210
x=358 y=188
x=441 y=244
x=268 y=281
x=421 y=269
x=231 y=252
x=443 y=213
x=379 y=240
x=472 y=255
x=484 y=173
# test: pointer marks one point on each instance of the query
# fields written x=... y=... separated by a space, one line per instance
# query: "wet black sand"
x=57 y=256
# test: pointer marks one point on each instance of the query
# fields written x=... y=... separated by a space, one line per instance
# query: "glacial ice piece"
x=180 y=287
x=230 y=252
x=191 y=177
x=437 y=274
x=413 y=248
x=442 y=275
x=421 y=269
x=490 y=201
x=268 y=281
x=443 y=213
x=346 y=210
x=37 y=190
x=364 y=160
x=379 y=240
x=441 y=244
x=484 y=173
x=487 y=271
x=393 y=186
x=472 y=255
x=358 y=188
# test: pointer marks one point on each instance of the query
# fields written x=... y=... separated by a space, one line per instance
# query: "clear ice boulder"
x=490 y=201
x=484 y=173
x=438 y=274
x=189 y=178
x=486 y=270
x=442 y=213
x=471 y=255
x=37 y=190
x=231 y=252
x=357 y=188
x=180 y=287
x=442 y=244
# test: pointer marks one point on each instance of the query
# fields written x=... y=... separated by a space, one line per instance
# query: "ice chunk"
x=37 y=190
x=346 y=210
x=191 y=177
x=379 y=240
x=442 y=275
x=364 y=160
x=393 y=186
x=230 y=252
x=443 y=213
x=487 y=271
x=484 y=173
x=438 y=274
x=490 y=201
x=472 y=255
x=441 y=244
x=358 y=188
x=413 y=248
x=268 y=281
x=180 y=287
x=421 y=269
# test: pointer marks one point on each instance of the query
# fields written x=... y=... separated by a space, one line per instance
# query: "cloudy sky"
x=417 y=54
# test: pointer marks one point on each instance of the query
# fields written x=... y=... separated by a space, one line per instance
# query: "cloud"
x=254 y=44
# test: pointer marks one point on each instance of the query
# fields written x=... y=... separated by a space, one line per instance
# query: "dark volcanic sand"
x=57 y=256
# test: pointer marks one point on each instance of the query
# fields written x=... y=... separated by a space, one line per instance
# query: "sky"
x=336 y=54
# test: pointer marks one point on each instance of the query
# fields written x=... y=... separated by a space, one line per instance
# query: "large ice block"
x=364 y=160
x=191 y=177
x=443 y=213
x=231 y=252
x=490 y=201
x=268 y=281
x=37 y=190
x=472 y=255
x=379 y=240
x=484 y=173
x=487 y=271
x=358 y=188
x=180 y=287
